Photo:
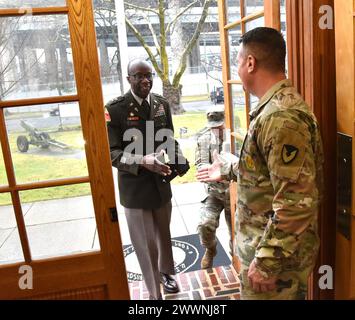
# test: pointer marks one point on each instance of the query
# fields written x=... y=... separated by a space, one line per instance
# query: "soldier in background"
x=279 y=176
x=217 y=198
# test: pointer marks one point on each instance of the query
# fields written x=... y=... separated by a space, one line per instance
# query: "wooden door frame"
x=311 y=67
x=312 y=70
x=99 y=274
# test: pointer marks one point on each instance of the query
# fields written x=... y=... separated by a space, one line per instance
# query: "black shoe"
x=169 y=283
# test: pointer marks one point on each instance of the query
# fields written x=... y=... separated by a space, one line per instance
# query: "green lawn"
x=34 y=167
x=193 y=121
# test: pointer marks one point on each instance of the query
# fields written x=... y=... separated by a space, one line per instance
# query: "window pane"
x=31 y=3
x=49 y=137
x=61 y=226
x=3 y=177
x=35 y=57
x=10 y=244
x=233 y=37
x=260 y=22
x=239 y=114
x=107 y=40
x=233 y=10
x=252 y=6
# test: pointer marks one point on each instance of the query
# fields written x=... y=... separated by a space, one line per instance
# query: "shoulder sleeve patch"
x=287 y=154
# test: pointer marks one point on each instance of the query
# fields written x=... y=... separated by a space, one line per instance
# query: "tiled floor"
x=219 y=283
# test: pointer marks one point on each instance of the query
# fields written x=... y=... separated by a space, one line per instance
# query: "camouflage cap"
x=215 y=116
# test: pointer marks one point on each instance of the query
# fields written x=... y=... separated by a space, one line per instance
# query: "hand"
x=151 y=163
x=257 y=281
x=211 y=173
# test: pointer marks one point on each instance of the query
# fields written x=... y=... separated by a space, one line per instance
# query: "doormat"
x=187 y=252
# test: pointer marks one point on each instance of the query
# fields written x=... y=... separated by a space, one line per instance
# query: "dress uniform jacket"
x=128 y=126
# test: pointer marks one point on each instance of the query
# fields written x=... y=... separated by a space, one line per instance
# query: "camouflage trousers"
x=210 y=212
x=291 y=285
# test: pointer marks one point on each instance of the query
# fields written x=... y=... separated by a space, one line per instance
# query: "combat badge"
x=107 y=116
x=289 y=153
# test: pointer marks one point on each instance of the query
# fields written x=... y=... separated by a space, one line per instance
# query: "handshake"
x=158 y=163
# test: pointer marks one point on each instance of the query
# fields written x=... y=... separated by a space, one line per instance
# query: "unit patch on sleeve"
x=289 y=153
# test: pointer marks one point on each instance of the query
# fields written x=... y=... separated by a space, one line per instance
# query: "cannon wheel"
x=22 y=143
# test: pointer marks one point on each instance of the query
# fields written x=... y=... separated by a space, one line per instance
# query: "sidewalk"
x=67 y=226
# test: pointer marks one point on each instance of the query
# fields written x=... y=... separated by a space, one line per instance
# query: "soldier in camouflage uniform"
x=279 y=177
x=217 y=198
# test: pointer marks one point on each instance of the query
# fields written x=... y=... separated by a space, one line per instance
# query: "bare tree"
x=168 y=15
x=24 y=42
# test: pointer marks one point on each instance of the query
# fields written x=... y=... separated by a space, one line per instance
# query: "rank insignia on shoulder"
x=107 y=116
x=289 y=153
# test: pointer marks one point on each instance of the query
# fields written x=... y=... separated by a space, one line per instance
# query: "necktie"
x=146 y=108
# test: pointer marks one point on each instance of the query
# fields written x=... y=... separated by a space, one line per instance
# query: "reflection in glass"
x=49 y=138
x=61 y=226
x=3 y=178
x=239 y=114
x=31 y=3
x=233 y=38
x=252 y=6
x=35 y=57
x=10 y=244
x=233 y=11
x=260 y=22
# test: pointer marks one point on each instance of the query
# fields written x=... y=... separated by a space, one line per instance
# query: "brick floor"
x=219 y=283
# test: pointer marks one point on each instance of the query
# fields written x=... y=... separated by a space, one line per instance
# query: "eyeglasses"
x=141 y=76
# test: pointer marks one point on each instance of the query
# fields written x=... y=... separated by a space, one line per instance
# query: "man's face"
x=141 y=79
x=242 y=68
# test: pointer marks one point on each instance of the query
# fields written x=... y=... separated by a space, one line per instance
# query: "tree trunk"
x=173 y=95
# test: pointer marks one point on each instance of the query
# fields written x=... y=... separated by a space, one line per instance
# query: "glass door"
x=57 y=204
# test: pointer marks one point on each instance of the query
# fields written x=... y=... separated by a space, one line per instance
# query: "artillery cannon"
x=37 y=138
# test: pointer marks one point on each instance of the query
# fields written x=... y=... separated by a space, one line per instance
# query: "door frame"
x=311 y=67
x=94 y=275
x=312 y=70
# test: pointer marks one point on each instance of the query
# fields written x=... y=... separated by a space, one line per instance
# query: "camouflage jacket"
x=279 y=179
x=206 y=144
